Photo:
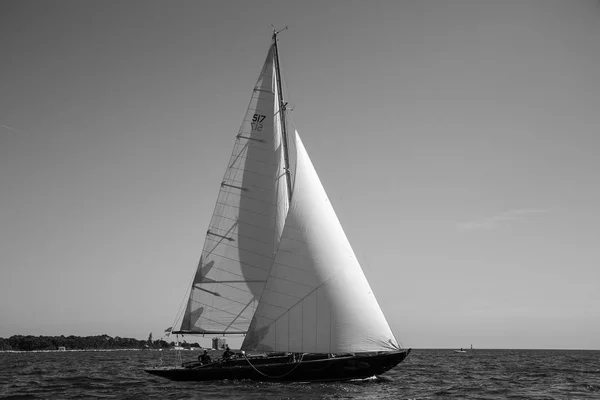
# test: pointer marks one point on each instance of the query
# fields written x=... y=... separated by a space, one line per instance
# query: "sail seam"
x=256 y=189
x=293 y=253
x=248 y=237
x=197 y=286
x=226 y=191
x=246 y=210
x=219 y=309
x=239 y=314
x=269 y=256
x=283 y=294
x=228 y=231
x=212 y=320
x=271 y=305
x=253 y=144
x=255 y=173
x=294 y=282
x=264 y=91
x=239 y=151
x=248 y=224
x=289 y=266
x=301 y=300
x=256 y=160
x=238 y=261
x=240 y=136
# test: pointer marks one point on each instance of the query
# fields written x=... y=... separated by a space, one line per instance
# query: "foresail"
x=316 y=298
x=247 y=222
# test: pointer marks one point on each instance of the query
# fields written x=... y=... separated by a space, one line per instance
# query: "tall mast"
x=282 y=110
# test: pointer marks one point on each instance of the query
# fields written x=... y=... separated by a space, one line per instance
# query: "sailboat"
x=277 y=267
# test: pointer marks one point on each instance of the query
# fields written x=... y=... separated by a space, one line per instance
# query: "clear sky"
x=458 y=141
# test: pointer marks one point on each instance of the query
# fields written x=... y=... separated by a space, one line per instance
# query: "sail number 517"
x=257 y=120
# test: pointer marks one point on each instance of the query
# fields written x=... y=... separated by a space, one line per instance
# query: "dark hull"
x=310 y=369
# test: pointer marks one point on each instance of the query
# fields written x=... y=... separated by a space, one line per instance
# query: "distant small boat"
x=463 y=351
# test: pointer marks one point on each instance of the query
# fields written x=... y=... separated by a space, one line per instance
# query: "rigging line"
x=240 y=136
x=210 y=320
x=243 y=248
x=240 y=313
x=292 y=227
x=263 y=91
x=225 y=282
x=287 y=266
x=242 y=149
x=255 y=147
x=281 y=293
x=229 y=272
x=259 y=214
x=219 y=309
x=295 y=133
x=259 y=161
x=238 y=150
x=255 y=192
x=197 y=286
x=242 y=188
x=222 y=237
x=259 y=191
x=188 y=294
x=253 y=172
x=239 y=235
x=241 y=223
x=236 y=193
x=307 y=294
x=292 y=252
x=270 y=305
x=276 y=376
x=287 y=280
x=216 y=294
x=213 y=307
x=262 y=140
x=239 y=262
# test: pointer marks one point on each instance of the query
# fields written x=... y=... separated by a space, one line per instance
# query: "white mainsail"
x=247 y=221
x=317 y=298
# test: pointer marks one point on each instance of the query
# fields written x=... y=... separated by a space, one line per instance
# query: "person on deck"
x=204 y=358
x=227 y=354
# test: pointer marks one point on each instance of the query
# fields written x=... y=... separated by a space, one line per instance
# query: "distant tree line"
x=101 y=342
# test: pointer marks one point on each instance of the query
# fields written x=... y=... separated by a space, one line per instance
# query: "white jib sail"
x=316 y=298
x=247 y=222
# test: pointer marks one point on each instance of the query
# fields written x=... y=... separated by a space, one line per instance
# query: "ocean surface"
x=426 y=374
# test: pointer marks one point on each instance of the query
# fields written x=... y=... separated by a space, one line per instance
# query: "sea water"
x=426 y=374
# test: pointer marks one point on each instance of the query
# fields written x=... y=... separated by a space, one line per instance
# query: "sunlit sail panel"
x=246 y=224
x=316 y=298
